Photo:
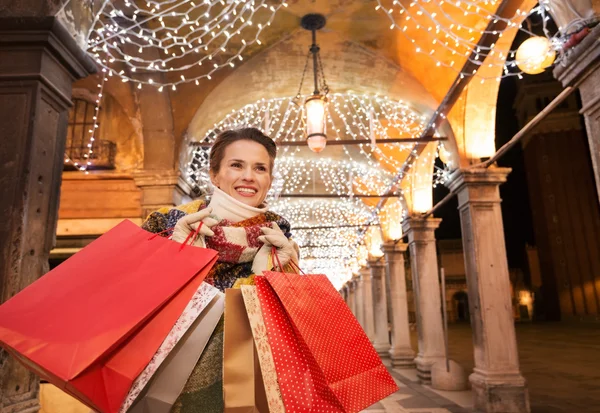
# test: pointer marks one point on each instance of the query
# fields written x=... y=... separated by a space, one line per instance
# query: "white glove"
x=189 y=223
x=274 y=237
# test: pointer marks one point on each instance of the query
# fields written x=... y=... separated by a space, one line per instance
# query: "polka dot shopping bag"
x=324 y=360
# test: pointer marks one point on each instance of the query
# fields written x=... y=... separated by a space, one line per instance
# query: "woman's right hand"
x=189 y=224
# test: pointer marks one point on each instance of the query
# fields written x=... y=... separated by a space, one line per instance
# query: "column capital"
x=477 y=176
x=151 y=177
x=394 y=248
x=160 y=188
x=48 y=34
x=420 y=229
x=480 y=185
x=581 y=61
x=376 y=262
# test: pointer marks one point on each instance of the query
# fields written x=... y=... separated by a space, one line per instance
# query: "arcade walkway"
x=560 y=361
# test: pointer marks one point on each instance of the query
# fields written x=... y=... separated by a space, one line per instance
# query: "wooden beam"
x=420 y=140
x=336 y=196
x=334 y=226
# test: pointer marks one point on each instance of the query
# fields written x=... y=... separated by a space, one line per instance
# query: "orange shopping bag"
x=323 y=358
x=92 y=324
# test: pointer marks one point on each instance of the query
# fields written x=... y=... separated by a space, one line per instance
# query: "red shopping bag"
x=302 y=383
x=92 y=324
x=323 y=324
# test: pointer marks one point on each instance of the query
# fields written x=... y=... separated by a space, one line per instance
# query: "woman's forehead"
x=246 y=150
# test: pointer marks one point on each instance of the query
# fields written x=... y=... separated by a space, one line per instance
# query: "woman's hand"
x=274 y=237
x=189 y=223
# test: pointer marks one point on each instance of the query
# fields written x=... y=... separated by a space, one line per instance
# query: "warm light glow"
x=317 y=143
x=374 y=242
x=534 y=55
x=315 y=122
x=422 y=199
x=395 y=231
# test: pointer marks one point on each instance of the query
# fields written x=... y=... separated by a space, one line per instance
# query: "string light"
x=323 y=250
x=351 y=116
x=170 y=42
x=84 y=164
x=365 y=168
x=447 y=31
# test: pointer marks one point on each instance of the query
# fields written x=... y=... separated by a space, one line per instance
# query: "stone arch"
x=349 y=67
x=473 y=116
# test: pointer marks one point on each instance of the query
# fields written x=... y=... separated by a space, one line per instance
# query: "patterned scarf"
x=237 y=243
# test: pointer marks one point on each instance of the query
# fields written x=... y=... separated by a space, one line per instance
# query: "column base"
x=424 y=365
x=402 y=358
x=499 y=393
x=383 y=349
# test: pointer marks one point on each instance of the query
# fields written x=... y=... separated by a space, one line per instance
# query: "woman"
x=236 y=223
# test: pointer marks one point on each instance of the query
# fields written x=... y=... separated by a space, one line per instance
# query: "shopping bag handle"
x=191 y=236
x=292 y=263
x=156 y=234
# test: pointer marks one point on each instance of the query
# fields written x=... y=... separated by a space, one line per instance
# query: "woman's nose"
x=248 y=174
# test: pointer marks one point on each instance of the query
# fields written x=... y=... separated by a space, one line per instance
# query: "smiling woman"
x=237 y=224
x=241 y=165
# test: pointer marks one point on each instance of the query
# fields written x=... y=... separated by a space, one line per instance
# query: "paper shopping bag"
x=345 y=356
x=263 y=349
x=303 y=385
x=92 y=324
x=169 y=380
x=243 y=388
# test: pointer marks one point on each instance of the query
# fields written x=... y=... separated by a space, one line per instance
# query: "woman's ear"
x=213 y=179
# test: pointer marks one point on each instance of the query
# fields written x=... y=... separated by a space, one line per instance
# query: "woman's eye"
x=261 y=168
x=236 y=165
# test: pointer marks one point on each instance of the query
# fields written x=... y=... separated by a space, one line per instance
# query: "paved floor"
x=560 y=361
x=414 y=398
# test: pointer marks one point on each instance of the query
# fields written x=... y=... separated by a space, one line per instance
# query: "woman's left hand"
x=274 y=237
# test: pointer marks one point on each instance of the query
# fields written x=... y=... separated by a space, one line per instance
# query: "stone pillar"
x=582 y=68
x=159 y=180
x=359 y=300
x=39 y=61
x=352 y=296
x=367 y=295
x=160 y=189
x=401 y=352
x=497 y=383
x=382 y=335
x=426 y=286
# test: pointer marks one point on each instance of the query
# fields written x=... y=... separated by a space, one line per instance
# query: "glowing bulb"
x=534 y=55
x=315 y=122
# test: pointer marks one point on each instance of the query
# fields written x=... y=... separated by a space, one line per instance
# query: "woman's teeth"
x=247 y=190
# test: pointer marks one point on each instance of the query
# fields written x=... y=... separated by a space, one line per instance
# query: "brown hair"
x=226 y=138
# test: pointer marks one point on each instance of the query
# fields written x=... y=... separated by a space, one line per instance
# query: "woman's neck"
x=226 y=207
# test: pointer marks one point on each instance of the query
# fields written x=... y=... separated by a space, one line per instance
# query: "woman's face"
x=245 y=172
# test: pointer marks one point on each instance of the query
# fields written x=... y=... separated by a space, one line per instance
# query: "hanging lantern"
x=534 y=55
x=316 y=107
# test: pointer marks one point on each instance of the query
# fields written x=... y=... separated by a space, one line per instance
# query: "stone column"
x=352 y=296
x=382 y=335
x=497 y=382
x=367 y=295
x=426 y=286
x=401 y=352
x=359 y=300
x=160 y=189
x=39 y=61
x=582 y=68
x=159 y=180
